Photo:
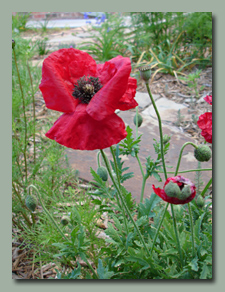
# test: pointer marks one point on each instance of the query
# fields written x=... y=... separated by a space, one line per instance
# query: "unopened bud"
x=31 y=203
x=13 y=44
x=202 y=153
x=139 y=118
x=65 y=220
x=166 y=139
x=172 y=190
x=200 y=202
x=185 y=193
x=102 y=172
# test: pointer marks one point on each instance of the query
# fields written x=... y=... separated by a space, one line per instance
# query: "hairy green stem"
x=206 y=187
x=136 y=122
x=34 y=115
x=176 y=233
x=123 y=202
x=158 y=228
x=189 y=170
x=98 y=158
x=180 y=155
x=25 y=119
x=160 y=128
x=192 y=231
x=118 y=180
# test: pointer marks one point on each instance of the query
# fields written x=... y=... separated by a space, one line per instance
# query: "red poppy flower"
x=88 y=94
x=205 y=122
x=182 y=184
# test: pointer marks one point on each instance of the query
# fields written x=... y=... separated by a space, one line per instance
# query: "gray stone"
x=144 y=100
x=168 y=110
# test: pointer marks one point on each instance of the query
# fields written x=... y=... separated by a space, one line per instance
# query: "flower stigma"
x=86 y=88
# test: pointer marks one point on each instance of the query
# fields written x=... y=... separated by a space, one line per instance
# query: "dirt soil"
x=164 y=85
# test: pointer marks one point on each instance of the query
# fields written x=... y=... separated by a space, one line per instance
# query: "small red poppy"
x=181 y=182
x=88 y=94
x=205 y=122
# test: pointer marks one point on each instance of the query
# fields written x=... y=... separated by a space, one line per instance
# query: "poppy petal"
x=127 y=101
x=106 y=100
x=60 y=71
x=78 y=130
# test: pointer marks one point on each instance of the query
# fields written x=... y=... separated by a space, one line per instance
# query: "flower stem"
x=144 y=178
x=25 y=120
x=98 y=159
x=34 y=116
x=158 y=228
x=176 y=233
x=180 y=155
x=160 y=128
x=192 y=232
x=206 y=187
x=118 y=180
x=189 y=170
x=123 y=202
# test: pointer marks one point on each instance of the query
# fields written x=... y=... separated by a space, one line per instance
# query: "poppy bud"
x=145 y=73
x=140 y=120
x=185 y=193
x=202 y=153
x=166 y=139
x=102 y=172
x=65 y=220
x=31 y=203
x=200 y=202
x=172 y=190
x=13 y=44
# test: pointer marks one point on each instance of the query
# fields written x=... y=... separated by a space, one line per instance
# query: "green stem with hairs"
x=192 y=230
x=118 y=180
x=206 y=187
x=180 y=155
x=176 y=234
x=34 y=115
x=160 y=128
x=25 y=120
x=190 y=170
x=158 y=228
x=123 y=201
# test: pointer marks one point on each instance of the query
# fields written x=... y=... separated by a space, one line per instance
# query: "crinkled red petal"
x=78 y=130
x=60 y=71
x=205 y=124
x=107 y=99
x=127 y=101
x=208 y=99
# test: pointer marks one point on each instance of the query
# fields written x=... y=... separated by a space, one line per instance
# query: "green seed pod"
x=200 y=202
x=172 y=190
x=102 y=172
x=166 y=139
x=140 y=120
x=145 y=73
x=31 y=203
x=65 y=220
x=202 y=153
x=185 y=193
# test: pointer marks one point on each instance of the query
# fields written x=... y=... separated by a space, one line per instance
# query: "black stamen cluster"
x=86 y=88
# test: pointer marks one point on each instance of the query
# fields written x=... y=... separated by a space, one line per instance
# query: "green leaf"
x=103 y=273
x=145 y=209
x=205 y=272
x=194 y=264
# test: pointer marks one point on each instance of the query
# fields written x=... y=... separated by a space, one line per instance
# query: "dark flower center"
x=86 y=87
